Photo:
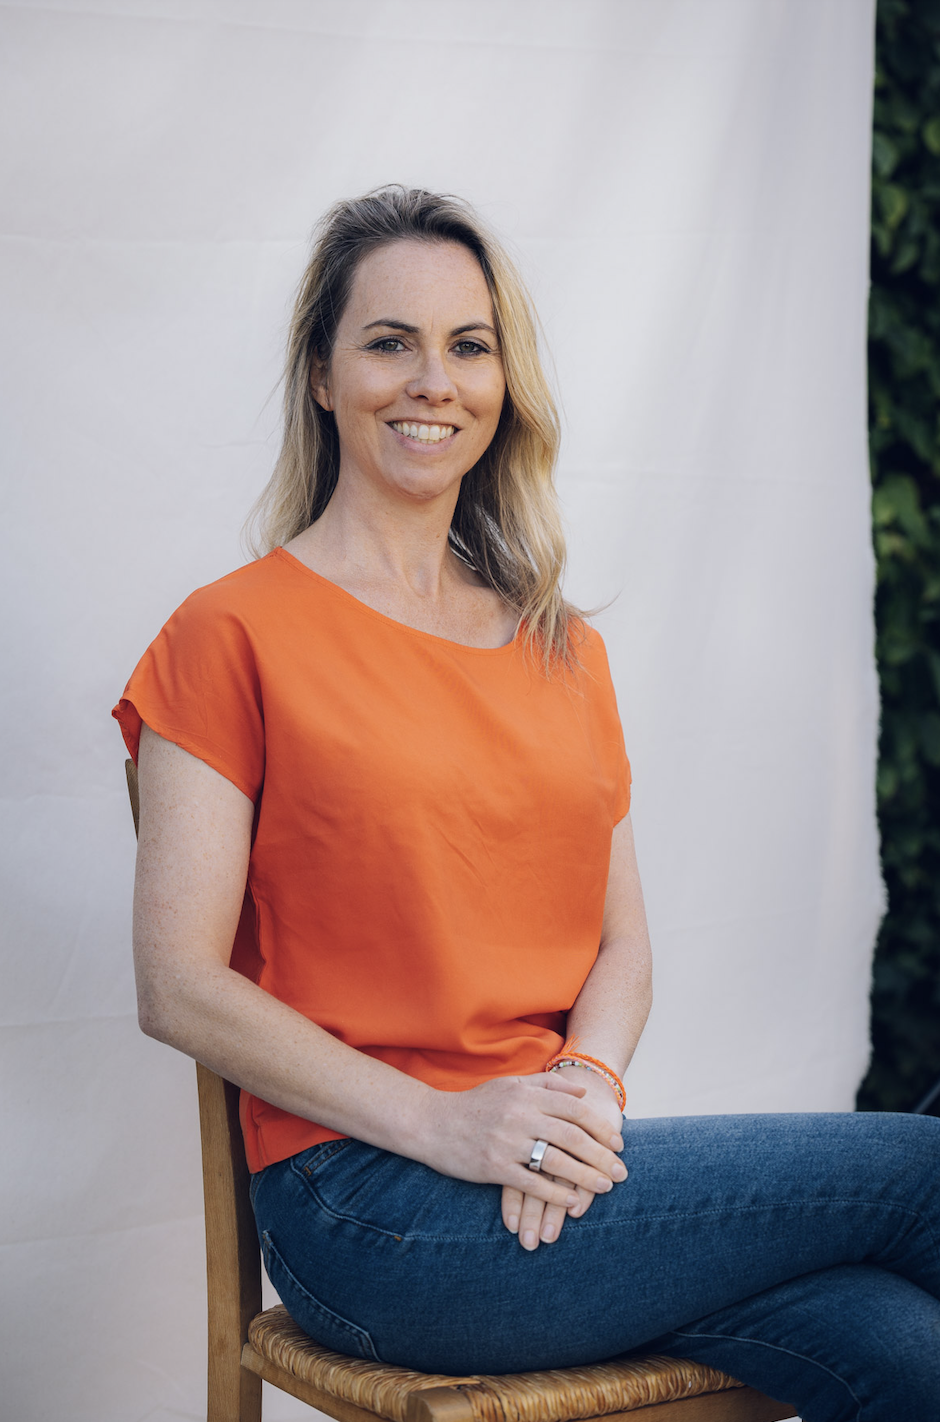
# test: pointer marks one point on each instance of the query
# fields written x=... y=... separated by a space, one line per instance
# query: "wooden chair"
x=247 y=1345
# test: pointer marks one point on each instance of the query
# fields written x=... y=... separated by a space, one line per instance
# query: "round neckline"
x=393 y=621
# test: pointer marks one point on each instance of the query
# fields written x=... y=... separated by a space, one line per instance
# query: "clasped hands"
x=487 y=1135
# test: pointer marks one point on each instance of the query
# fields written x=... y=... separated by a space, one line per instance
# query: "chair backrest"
x=233 y=1258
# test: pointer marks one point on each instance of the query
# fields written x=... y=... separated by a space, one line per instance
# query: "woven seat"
x=246 y=1345
x=619 y=1387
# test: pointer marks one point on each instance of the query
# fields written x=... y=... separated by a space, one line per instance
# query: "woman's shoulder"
x=248 y=593
x=584 y=634
x=588 y=649
x=226 y=619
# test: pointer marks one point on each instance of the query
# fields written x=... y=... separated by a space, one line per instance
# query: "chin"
x=418 y=485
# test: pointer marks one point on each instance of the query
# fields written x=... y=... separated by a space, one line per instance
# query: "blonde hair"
x=506 y=523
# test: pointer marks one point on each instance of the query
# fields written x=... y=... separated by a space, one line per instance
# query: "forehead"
x=408 y=277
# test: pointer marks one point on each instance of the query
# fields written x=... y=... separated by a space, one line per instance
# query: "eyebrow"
x=395 y=325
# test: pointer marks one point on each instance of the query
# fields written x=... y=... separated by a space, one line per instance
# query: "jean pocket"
x=307 y=1162
x=324 y=1326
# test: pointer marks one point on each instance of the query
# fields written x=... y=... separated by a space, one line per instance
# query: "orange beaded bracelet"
x=568 y=1056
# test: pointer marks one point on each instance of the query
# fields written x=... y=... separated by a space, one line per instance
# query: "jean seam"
x=392 y=1234
x=758 y=1209
x=333 y=1319
x=587 y=1224
x=778 y=1348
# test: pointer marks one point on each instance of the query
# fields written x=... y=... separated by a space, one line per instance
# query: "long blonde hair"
x=506 y=523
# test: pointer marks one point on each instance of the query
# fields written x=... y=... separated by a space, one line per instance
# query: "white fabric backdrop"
x=686 y=184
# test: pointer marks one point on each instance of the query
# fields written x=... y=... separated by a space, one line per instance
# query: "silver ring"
x=538 y=1155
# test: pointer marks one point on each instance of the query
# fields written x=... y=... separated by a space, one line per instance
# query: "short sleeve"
x=624 y=783
x=606 y=719
x=197 y=685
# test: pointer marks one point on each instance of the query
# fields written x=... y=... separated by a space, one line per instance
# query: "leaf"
x=884 y=153
x=894 y=203
x=930 y=133
x=883 y=510
x=897 y=499
x=906 y=258
x=887 y=781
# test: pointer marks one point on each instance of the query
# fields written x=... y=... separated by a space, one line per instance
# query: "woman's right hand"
x=487 y=1134
x=530 y=1218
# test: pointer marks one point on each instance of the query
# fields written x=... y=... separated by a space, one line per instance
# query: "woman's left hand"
x=529 y=1217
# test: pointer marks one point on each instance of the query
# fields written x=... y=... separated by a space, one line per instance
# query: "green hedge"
x=904 y=389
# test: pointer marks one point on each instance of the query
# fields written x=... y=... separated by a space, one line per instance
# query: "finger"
x=532 y=1182
x=585 y=1199
x=567 y=1167
x=579 y=1173
x=553 y=1218
x=511 y=1208
x=568 y=1107
x=530 y=1221
x=577 y=1144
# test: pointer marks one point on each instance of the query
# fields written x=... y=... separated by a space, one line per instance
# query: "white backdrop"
x=685 y=182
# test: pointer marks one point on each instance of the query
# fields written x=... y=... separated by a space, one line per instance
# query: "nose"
x=432 y=382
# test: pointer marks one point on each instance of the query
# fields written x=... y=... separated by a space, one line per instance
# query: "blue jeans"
x=799 y=1253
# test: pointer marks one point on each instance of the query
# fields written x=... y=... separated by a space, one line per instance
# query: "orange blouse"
x=432 y=825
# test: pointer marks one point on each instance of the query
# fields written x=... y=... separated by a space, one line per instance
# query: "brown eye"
x=387 y=345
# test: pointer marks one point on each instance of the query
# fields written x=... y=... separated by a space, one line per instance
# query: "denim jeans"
x=799 y=1253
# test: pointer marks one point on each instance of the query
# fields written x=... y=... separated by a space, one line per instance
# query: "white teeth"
x=428 y=434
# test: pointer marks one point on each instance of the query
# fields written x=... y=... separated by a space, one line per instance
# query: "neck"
x=365 y=537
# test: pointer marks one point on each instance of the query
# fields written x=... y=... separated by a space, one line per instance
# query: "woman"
x=384 y=763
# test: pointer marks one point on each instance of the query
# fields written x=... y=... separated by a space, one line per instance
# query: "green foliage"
x=904 y=390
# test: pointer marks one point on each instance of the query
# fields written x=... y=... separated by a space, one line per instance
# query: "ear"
x=319 y=384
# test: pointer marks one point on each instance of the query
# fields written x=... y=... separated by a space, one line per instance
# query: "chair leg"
x=234 y=1393
x=233 y=1259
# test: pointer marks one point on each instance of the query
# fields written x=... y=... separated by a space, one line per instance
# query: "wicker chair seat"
x=555 y=1395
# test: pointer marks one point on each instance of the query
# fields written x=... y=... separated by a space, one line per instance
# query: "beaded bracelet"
x=569 y=1057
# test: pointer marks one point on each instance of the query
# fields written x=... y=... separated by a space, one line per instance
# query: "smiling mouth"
x=427 y=434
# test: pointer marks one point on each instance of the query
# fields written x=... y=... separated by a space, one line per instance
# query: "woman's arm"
x=195 y=836
x=607 y=1018
x=611 y=1009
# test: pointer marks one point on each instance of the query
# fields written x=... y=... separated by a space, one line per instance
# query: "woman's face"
x=416 y=381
